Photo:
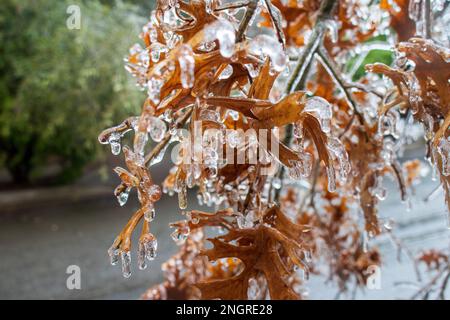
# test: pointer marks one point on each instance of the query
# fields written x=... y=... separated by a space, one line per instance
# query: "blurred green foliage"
x=58 y=87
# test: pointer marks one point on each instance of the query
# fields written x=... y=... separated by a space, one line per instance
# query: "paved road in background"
x=37 y=245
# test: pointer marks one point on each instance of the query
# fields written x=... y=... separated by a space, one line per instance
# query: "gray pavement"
x=37 y=244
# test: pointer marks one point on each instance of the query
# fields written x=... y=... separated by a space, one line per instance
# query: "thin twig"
x=334 y=72
x=251 y=8
x=160 y=146
x=427 y=18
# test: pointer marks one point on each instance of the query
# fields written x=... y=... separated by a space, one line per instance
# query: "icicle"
x=157 y=129
x=126 y=263
x=263 y=45
x=187 y=66
x=444 y=151
x=150 y=245
x=114 y=141
x=387 y=124
x=224 y=32
x=182 y=195
x=114 y=253
x=142 y=264
x=339 y=154
x=149 y=212
x=331 y=178
x=322 y=110
x=378 y=190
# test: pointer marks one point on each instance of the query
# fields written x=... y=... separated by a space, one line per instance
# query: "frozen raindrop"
x=320 y=107
x=187 y=66
x=122 y=197
x=114 y=141
x=157 y=129
x=224 y=32
x=265 y=46
x=126 y=263
x=149 y=213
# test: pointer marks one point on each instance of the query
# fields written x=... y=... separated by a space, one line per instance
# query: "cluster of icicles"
x=263 y=46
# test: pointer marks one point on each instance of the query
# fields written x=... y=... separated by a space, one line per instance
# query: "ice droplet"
x=180 y=234
x=157 y=129
x=187 y=66
x=122 y=197
x=265 y=46
x=224 y=32
x=114 y=141
x=149 y=213
x=320 y=108
x=126 y=263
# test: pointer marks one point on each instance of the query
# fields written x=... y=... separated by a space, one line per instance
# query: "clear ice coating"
x=154 y=86
x=321 y=109
x=151 y=247
x=148 y=247
x=443 y=149
x=187 y=66
x=182 y=195
x=126 y=263
x=156 y=128
x=265 y=46
x=224 y=32
x=180 y=234
x=340 y=157
x=114 y=141
x=387 y=124
x=300 y=168
x=149 y=212
x=378 y=190
x=114 y=254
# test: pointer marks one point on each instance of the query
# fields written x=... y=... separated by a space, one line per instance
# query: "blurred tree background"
x=59 y=87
